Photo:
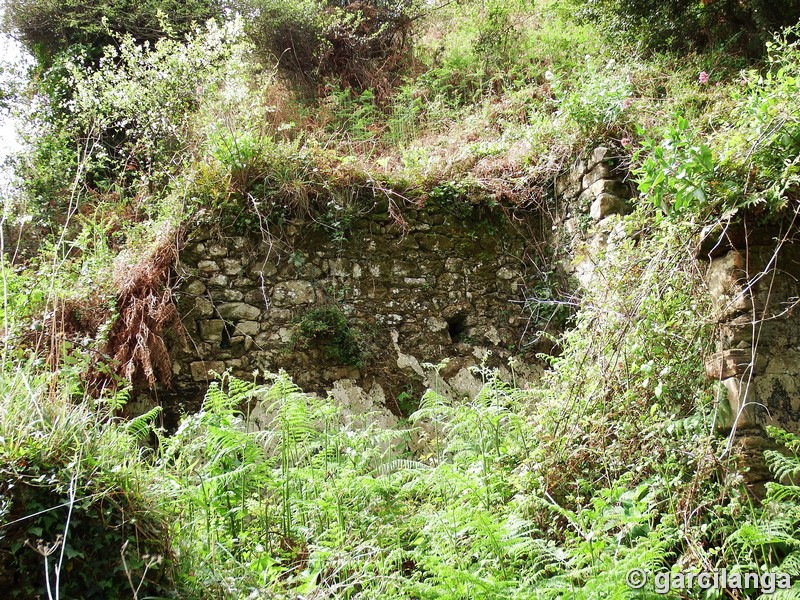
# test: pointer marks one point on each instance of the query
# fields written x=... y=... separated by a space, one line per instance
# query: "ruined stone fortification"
x=754 y=281
x=447 y=284
x=450 y=283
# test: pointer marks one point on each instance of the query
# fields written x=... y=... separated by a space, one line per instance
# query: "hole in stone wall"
x=227 y=334
x=457 y=327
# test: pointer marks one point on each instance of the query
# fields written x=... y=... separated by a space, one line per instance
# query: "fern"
x=400 y=464
x=772 y=537
x=791 y=564
x=785 y=438
x=784 y=494
x=782 y=466
x=140 y=427
x=792 y=593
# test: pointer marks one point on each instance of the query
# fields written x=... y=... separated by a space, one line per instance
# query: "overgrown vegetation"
x=144 y=126
x=48 y=29
x=328 y=329
x=682 y=24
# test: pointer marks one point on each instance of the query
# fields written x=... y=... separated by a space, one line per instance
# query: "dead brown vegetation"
x=146 y=311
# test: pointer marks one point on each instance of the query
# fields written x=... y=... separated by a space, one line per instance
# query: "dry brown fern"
x=146 y=310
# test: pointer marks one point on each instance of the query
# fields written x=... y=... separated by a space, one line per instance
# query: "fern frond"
x=777 y=492
x=216 y=401
x=432 y=404
x=792 y=593
x=791 y=564
x=772 y=531
x=239 y=389
x=139 y=427
x=400 y=464
x=782 y=466
x=790 y=440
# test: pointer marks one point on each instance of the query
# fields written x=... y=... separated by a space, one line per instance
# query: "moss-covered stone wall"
x=369 y=302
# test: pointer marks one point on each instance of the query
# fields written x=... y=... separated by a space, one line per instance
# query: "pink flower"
x=627 y=103
x=703 y=78
x=626 y=141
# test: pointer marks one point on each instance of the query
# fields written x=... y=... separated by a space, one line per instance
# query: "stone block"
x=231 y=266
x=208 y=266
x=294 y=293
x=277 y=315
x=250 y=328
x=211 y=330
x=263 y=270
x=607 y=204
x=201 y=368
x=609 y=186
x=415 y=281
x=217 y=250
x=600 y=171
x=219 y=281
x=255 y=297
x=598 y=155
x=195 y=287
x=507 y=274
x=435 y=324
x=729 y=363
x=238 y=311
x=202 y=308
x=227 y=295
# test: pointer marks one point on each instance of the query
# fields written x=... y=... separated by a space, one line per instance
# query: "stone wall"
x=593 y=189
x=446 y=284
x=450 y=283
x=753 y=277
x=754 y=281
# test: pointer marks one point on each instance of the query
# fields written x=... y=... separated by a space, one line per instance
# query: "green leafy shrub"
x=677 y=172
x=47 y=28
x=120 y=130
x=684 y=23
x=769 y=540
x=329 y=329
x=359 y=44
x=596 y=100
x=763 y=147
x=74 y=518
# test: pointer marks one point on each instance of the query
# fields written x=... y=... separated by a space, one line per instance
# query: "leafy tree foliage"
x=47 y=27
x=359 y=43
x=685 y=23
